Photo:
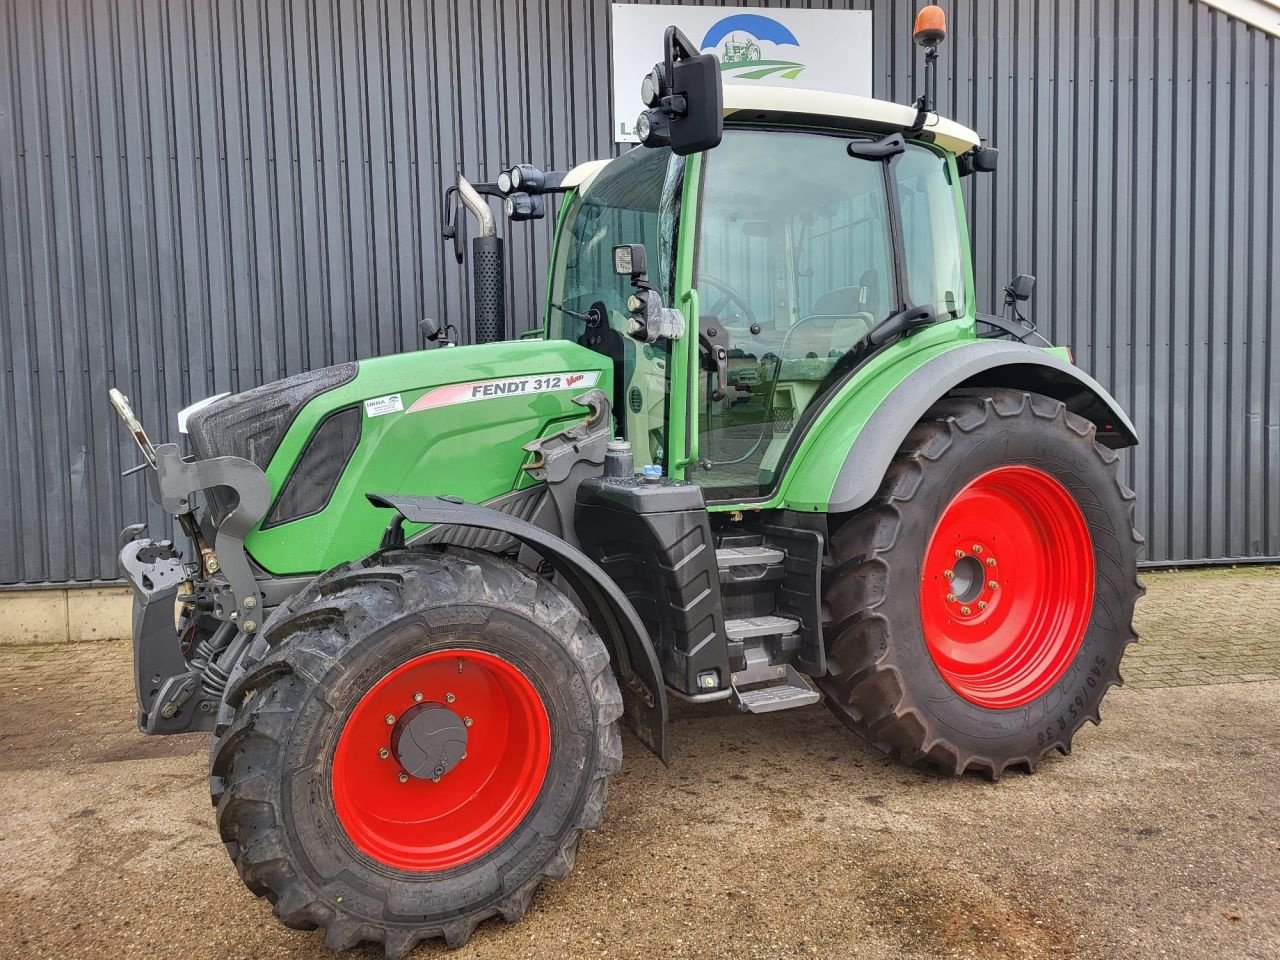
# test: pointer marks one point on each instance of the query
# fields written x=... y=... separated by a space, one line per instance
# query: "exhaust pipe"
x=488 y=268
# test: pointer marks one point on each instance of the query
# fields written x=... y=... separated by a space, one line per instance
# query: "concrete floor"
x=772 y=836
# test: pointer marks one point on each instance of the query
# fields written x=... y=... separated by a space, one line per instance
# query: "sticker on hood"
x=507 y=387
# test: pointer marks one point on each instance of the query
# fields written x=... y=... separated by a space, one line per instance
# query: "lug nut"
x=383 y=753
x=466 y=721
x=959 y=554
x=417 y=697
x=391 y=719
x=449 y=697
x=965 y=610
x=949 y=574
x=992 y=584
x=403 y=777
x=991 y=561
x=951 y=598
x=435 y=779
x=982 y=604
x=977 y=548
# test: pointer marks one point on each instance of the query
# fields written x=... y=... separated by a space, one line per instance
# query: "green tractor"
x=763 y=450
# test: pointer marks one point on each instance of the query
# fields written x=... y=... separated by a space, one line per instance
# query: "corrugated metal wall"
x=203 y=196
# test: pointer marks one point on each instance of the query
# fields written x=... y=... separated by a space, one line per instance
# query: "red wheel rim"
x=1006 y=589
x=415 y=822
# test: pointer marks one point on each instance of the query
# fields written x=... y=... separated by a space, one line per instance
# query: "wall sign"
x=814 y=49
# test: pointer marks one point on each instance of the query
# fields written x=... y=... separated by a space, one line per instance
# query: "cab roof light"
x=931 y=26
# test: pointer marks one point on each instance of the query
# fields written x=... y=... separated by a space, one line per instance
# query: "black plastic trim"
x=251 y=424
x=301 y=463
x=981 y=363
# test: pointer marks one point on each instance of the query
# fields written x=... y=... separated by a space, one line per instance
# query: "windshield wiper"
x=591 y=318
x=571 y=313
x=882 y=149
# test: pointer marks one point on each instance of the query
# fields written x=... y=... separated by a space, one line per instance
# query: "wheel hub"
x=440 y=760
x=1006 y=587
x=429 y=740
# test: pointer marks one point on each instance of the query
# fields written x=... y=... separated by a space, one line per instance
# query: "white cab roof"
x=742 y=102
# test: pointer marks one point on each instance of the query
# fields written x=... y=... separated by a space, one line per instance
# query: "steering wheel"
x=728 y=295
x=866 y=320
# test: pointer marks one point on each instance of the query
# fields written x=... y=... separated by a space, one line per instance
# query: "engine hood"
x=448 y=421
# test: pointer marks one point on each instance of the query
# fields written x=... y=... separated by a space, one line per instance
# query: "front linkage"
x=180 y=673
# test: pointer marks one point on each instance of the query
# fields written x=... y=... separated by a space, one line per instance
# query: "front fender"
x=842 y=469
x=635 y=660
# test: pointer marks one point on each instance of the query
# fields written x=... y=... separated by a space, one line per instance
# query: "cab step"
x=766 y=626
x=747 y=556
x=794 y=691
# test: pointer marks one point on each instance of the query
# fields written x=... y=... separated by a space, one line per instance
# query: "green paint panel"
x=468 y=449
x=821 y=453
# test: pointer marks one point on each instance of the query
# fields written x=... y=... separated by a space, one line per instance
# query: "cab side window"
x=930 y=232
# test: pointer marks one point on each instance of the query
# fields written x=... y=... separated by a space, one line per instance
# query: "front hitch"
x=178 y=689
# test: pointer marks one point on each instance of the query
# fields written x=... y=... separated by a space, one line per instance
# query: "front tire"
x=418 y=739
x=979 y=607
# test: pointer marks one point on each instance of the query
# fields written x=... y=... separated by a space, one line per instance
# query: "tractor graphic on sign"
x=735 y=51
x=742 y=39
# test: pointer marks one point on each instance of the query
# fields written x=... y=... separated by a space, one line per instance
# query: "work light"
x=521 y=206
x=653 y=128
x=651 y=87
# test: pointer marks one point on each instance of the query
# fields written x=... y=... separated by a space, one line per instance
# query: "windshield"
x=632 y=200
x=795 y=263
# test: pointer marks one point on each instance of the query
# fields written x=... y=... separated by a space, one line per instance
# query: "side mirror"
x=981 y=159
x=1020 y=287
x=685 y=96
x=432 y=332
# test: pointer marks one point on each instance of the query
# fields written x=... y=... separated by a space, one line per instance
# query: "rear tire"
x=978 y=608
x=400 y=832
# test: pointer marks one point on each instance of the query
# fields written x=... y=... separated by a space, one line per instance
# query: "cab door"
x=794 y=262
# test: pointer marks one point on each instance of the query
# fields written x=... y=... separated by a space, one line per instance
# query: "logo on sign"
x=749 y=46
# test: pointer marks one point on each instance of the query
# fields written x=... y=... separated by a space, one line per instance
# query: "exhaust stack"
x=488 y=268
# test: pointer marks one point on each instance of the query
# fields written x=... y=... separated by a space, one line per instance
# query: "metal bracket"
x=563 y=460
x=172 y=486
x=167 y=689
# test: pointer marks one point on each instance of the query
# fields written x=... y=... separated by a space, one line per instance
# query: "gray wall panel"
x=197 y=197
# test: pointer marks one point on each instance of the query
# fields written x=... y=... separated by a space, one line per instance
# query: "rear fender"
x=983 y=363
x=635 y=661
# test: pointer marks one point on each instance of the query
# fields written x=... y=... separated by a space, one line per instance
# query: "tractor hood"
x=448 y=421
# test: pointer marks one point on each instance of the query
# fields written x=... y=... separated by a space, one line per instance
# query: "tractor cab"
x=806 y=229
